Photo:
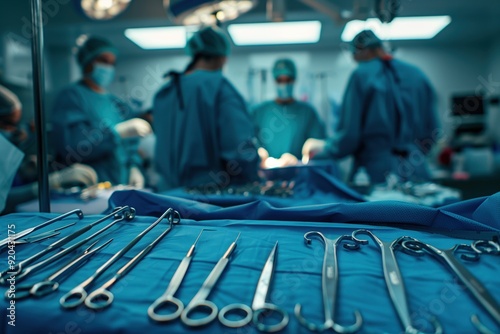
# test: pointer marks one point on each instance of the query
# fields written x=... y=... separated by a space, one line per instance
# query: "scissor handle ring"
x=153 y=308
x=235 y=323
x=261 y=326
x=21 y=293
x=202 y=321
x=43 y=288
x=99 y=299
x=78 y=293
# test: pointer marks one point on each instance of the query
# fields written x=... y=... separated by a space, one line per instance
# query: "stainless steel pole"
x=39 y=94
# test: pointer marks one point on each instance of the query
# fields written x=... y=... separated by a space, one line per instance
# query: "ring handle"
x=44 y=288
x=161 y=302
x=21 y=292
x=99 y=299
x=202 y=321
x=234 y=308
x=78 y=294
x=264 y=312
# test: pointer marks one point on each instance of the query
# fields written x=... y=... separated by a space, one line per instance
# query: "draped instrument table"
x=430 y=288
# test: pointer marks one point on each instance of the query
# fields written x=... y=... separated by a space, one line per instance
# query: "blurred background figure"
x=21 y=174
x=284 y=124
x=388 y=116
x=90 y=125
x=204 y=132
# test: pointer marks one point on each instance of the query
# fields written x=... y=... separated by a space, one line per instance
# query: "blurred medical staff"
x=284 y=124
x=12 y=136
x=388 y=120
x=88 y=125
x=204 y=133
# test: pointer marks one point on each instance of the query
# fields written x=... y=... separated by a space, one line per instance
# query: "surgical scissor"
x=168 y=296
x=78 y=293
x=394 y=280
x=23 y=233
x=120 y=214
x=102 y=297
x=329 y=282
x=50 y=284
x=260 y=309
x=200 y=299
x=448 y=259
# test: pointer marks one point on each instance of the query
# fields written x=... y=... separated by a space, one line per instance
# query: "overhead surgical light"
x=158 y=37
x=275 y=33
x=401 y=28
x=208 y=12
x=102 y=9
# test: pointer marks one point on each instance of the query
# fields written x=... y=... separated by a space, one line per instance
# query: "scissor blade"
x=475 y=287
x=265 y=280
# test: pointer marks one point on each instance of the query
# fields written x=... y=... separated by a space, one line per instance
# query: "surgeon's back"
x=204 y=133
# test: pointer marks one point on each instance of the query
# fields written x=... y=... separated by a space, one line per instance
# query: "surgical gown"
x=283 y=128
x=83 y=131
x=388 y=121
x=207 y=138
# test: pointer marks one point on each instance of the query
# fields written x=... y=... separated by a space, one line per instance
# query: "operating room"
x=256 y=121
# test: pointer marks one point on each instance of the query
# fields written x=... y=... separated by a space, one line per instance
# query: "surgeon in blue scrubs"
x=205 y=136
x=284 y=124
x=88 y=122
x=388 y=120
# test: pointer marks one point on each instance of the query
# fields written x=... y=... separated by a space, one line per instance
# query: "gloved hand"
x=312 y=147
x=135 y=178
x=134 y=127
x=288 y=159
x=264 y=155
x=76 y=174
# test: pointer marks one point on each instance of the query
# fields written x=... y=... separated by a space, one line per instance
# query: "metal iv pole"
x=39 y=94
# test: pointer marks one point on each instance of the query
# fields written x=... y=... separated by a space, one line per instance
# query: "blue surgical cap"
x=284 y=67
x=209 y=41
x=366 y=40
x=92 y=48
x=8 y=102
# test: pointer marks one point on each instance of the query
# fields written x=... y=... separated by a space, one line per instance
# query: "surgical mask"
x=285 y=91
x=103 y=75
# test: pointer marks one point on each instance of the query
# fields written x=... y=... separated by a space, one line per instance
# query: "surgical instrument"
x=260 y=309
x=23 y=233
x=448 y=259
x=78 y=293
x=120 y=214
x=200 y=299
x=329 y=282
x=394 y=280
x=50 y=284
x=38 y=237
x=168 y=296
x=102 y=297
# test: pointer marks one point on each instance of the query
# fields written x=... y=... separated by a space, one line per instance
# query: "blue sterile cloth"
x=480 y=214
x=431 y=290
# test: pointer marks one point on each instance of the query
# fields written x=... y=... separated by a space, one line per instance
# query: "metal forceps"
x=50 y=284
x=39 y=237
x=260 y=309
x=200 y=299
x=102 y=297
x=329 y=282
x=447 y=258
x=394 y=280
x=23 y=233
x=78 y=293
x=120 y=214
x=168 y=295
